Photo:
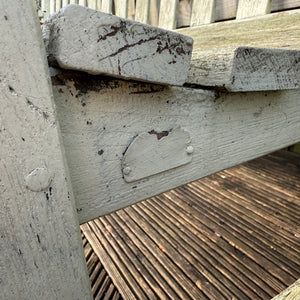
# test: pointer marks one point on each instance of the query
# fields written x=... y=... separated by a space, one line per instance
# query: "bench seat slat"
x=215 y=44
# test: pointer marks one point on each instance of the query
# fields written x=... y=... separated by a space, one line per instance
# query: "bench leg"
x=41 y=255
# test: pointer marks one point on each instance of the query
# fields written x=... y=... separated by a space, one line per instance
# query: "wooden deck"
x=232 y=235
x=102 y=285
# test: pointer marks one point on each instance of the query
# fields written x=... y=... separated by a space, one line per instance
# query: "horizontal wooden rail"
x=101 y=118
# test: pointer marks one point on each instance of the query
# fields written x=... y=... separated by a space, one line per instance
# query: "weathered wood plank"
x=58 y=5
x=121 y=8
x=131 y=9
x=215 y=224
x=203 y=12
x=142 y=11
x=80 y=2
x=45 y=7
x=278 y=5
x=41 y=255
x=106 y=6
x=66 y=2
x=115 y=46
x=280 y=30
x=98 y=127
x=246 y=69
x=154 y=12
x=291 y=293
x=100 y=247
x=168 y=14
x=52 y=6
x=253 y=8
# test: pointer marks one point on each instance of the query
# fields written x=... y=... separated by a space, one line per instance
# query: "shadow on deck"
x=232 y=235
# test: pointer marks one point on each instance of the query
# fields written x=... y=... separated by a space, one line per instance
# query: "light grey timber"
x=41 y=255
x=100 y=117
x=83 y=39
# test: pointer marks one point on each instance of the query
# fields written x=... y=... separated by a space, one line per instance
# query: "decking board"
x=101 y=284
x=232 y=234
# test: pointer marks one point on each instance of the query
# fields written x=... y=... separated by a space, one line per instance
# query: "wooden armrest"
x=84 y=39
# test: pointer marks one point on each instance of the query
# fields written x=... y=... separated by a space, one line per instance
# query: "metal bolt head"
x=38 y=180
x=189 y=149
x=126 y=171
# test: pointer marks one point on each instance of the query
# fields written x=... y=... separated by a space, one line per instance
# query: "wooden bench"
x=83 y=146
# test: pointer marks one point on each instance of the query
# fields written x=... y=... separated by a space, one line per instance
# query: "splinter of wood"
x=84 y=39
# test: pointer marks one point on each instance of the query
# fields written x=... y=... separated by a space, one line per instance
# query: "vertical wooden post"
x=41 y=255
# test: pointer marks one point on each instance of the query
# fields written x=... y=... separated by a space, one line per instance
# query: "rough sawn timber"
x=217 y=42
x=83 y=39
x=240 y=69
x=41 y=254
x=100 y=117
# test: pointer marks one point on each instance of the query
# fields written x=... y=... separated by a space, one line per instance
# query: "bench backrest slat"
x=121 y=8
x=168 y=20
x=203 y=12
x=142 y=11
x=253 y=8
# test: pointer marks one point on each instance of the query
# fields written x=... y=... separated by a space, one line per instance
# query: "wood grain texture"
x=41 y=254
x=279 y=30
x=52 y=7
x=58 y=5
x=80 y=2
x=115 y=46
x=154 y=8
x=246 y=69
x=291 y=293
x=203 y=12
x=66 y=2
x=131 y=9
x=101 y=116
x=168 y=14
x=142 y=11
x=121 y=8
x=106 y=6
x=278 y=5
x=45 y=7
x=253 y=8
x=237 y=227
